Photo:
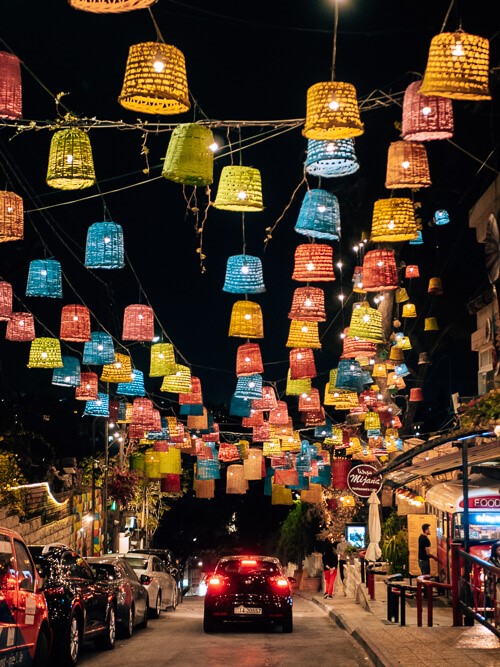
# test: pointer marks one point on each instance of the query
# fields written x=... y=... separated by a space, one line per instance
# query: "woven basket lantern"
x=11 y=216
x=401 y=370
x=204 y=488
x=244 y=275
x=71 y=166
x=291 y=443
x=393 y=220
x=457 y=67
x=110 y=6
x=179 y=381
x=281 y=430
x=424 y=358
x=124 y=413
x=297 y=387
x=311 y=401
x=441 y=217
x=240 y=407
x=189 y=159
x=235 y=480
x=118 y=371
x=313 y=263
x=20 y=327
x=10 y=86
x=426 y=118
x=268 y=401
x=419 y=239
x=100 y=349
x=435 y=286
x=332 y=112
x=5 y=300
x=155 y=80
x=380 y=273
x=142 y=412
x=246 y=320
x=396 y=353
x=170 y=483
x=261 y=432
x=302 y=363
x=253 y=464
x=240 y=189
x=319 y=216
x=271 y=447
x=407 y=166
x=193 y=395
x=281 y=495
x=349 y=375
x=97 y=408
x=361 y=350
x=104 y=248
x=45 y=278
x=372 y=421
x=308 y=305
x=256 y=418
x=303 y=334
x=416 y=395
x=138 y=323
x=75 y=323
x=366 y=323
x=412 y=271
x=329 y=159
x=69 y=375
x=87 y=390
x=431 y=324
x=45 y=353
x=249 y=387
x=162 y=360
x=401 y=295
x=135 y=386
x=228 y=452
x=279 y=416
x=314 y=494
x=357 y=279
x=409 y=310
x=249 y=360
x=403 y=342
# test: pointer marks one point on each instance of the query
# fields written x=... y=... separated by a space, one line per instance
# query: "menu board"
x=415 y=522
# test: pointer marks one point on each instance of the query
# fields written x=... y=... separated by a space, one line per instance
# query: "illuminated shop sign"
x=483 y=503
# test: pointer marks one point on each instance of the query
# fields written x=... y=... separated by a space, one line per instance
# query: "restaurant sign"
x=364 y=479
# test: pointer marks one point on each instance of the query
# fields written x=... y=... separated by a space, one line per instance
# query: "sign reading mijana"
x=364 y=479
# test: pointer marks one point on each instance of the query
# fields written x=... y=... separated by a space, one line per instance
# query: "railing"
x=397 y=593
x=423 y=581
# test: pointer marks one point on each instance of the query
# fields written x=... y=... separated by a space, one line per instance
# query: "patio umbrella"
x=374 y=552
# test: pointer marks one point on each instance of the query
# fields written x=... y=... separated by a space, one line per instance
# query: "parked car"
x=160 y=584
x=81 y=606
x=248 y=589
x=25 y=635
x=172 y=564
x=131 y=595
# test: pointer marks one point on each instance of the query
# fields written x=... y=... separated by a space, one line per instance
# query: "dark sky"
x=245 y=61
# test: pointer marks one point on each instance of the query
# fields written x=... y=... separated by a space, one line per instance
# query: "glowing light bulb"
x=372 y=362
x=359 y=285
x=132 y=377
x=299 y=356
x=100 y=347
x=247 y=316
x=242 y=195
x=321 y=208
x=405 y=164
x=339 y=265
x=9 y=209
x=67 y=378
x=251 y=385
x=391 y=224
x=118 y=364
x=381 y=297
x=334 y=105
x=87 y=386
x=43 y=272
x=355 y=248
x=159 y=64
x=107 y=239
x=426 y=111
x=98 y=402
x=366 y=318
x=21 y=323
x=379 y=397
x=177 y=373
x=341 y=297
x=140 y=316
x=310 y=266
x=342 y=336
x=75 y=318
x=161 y=356
x=247 y=360
x=69 y=159
x=304 y=395
x=304 y=329
x=380 y=263
x=457 y=49
x=44 y=355
x=245 y=269
x=214 y=147
x=330 y=147
x=352 y=367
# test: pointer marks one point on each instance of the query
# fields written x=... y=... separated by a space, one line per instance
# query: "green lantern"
x=190 y=157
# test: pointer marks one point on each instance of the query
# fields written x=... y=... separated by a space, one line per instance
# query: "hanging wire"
x=335 y=30
x=447 y=16
x=159 y=36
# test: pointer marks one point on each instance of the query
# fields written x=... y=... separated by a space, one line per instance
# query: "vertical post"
x=455 y=575
x=105 y=485
x=93 y=487
x=419 y=603
x=430 y=608
x=402 y=593
x=465 y=482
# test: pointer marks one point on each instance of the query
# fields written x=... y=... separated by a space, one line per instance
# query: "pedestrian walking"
x=330 y=567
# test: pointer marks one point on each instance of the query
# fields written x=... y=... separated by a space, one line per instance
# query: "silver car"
x=161 y=586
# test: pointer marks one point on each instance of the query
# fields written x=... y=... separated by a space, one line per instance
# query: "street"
x=177 y=638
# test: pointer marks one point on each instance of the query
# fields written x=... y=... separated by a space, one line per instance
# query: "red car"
x=24 y=620
x=248 y=589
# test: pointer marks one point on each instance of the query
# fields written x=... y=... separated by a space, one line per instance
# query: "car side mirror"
x=144 y=579
x=292 y=580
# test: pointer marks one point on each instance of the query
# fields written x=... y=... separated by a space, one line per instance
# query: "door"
x=28 y=613
x=8 y=599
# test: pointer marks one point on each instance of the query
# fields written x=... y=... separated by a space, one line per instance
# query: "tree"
x=298 y=533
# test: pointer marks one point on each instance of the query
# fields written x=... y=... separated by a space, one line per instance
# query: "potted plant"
x=395 y=543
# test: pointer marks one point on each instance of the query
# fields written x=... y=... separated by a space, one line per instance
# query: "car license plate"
x=241 y=610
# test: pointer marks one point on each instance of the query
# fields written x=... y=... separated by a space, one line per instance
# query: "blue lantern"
x=329 y=159
x=349 y=375
x=324 y=475
x=324 y=431
x=441 y=217
x=99 y=350
x=163 y=434
x=105 y=249
x=133 y=388
x=193 y=409
x=319 y=216
x=366 y=377
x=244 y=275
x=268 y=482
x=207 y=469
x=419 y=240
x=240 y=407
x=97 y=408
x=401 y=370
x=69 y=374
x=249 y=387
x=45 y=278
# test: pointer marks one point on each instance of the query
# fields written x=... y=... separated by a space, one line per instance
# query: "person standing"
x=424 y=550
x=342 y=547
x=330 y=564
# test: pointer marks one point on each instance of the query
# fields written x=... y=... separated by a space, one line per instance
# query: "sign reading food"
x=364 y=479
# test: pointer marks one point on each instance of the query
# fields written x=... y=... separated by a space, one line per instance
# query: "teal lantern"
x=99 y=350
x=349 y=375
x=244 y=275
x=418 y=240
x=319 y=216
x=330 y=159
x=97 y=408
x=441 y=217
x=69 y=374
x=45 y=278
x=240 y=407
x=133 y=388
x=105 y=248
x=249 y=387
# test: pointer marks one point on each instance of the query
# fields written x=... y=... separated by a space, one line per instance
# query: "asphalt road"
x=177 y=638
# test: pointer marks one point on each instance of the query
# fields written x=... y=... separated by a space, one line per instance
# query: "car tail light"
x=248 y=562
x=281 y=583
x=145 y=580
x=216 y=583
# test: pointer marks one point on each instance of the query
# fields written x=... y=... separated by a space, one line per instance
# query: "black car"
x=131 y=595
x=248 y=589
x=81 y=606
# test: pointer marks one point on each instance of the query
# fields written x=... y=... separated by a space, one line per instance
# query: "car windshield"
x=246 y=566
x=103 y=570
x=138 y=563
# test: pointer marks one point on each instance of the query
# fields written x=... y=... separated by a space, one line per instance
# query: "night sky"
x=245 y=61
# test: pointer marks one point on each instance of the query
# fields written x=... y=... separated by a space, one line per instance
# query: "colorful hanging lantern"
x=431 y=324
x=441 y=217
x=426 y=118
x=104 y=248
x=340 y=472
x=403 y=342
x=297 y=387
x=162 y=360
x=110 y=6
x=401 y=370
x=313 y=263
x=407 y=166
x=118 y=371
x=45 y=278
x=357 y=279
x=355 y=348
x=424 y=358
x=246 y=320
x=416 y=395
x=332 y=112
x=179 y=381
x=69 y=375
x=281 y=495
x=349 y=375
x=401 y=295
x=302 y=363
x=249 y=360
x=100 y=349
x=138 y=323
x=253 y=464
x=279 y=415
x=268 y=401
x=372 y=421
x=396 y=353
x=193 y=395
x=380 y=273
x=135 y=387
x=393 y=220
x=419 y=239
x=409 y=310
x=71 y=166
x=142 y=413
x=244 y=275
x=303 y=334
x=97 y=408
x=20 y=327
x=5 y=300
x=271 y=447
x=308 y=305
x=204 y=488
x=155 y=80
x=45 y=353
x=87 y=390
x=240 y=407
x=75 y=323
x=366 y=323
x=10 y=86
x=310 y=401
x=11 y=215
x=235 y=480
x=190 y=158
x=435 y=286
x=319 y=216
x=255 y=418
x=249 y=387
x=412 y=271
x=457 y=67
x=240 y=189
x=329 y=159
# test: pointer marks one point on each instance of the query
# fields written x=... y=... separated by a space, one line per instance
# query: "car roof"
x=263 y=559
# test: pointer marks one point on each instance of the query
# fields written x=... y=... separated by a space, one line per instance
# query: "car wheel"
x=128 y=627
x=42 y=650
x=209 y=625
x=156 y=610
x=67 y=652
x=288 y=624
x=107 y=639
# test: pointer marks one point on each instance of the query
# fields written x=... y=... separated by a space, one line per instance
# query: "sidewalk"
x=389 y=644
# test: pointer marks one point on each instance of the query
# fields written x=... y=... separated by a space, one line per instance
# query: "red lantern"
x=5 y=300
x=171 y=483
x=313 y=263
x=340 y=471
x=379 y=271
x=194 y=397
x=279 y=416
x=75 y=323
x=308 y=305
x=21 y=328
x=268 y=400
x=302 y=363
x=138 y=323
x=310 y=401
x=249 y=360
x=416 y=395
x=89 y=387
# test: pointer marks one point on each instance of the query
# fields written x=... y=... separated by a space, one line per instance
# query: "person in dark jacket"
x=494 y=558
x=330 y=566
